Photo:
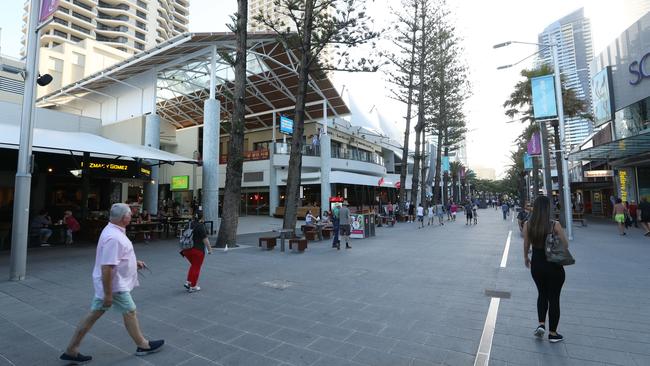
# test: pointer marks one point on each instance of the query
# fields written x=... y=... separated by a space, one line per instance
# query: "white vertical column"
x=152 y=139
x=326 y=162
x=211 y=125
x=274 y=193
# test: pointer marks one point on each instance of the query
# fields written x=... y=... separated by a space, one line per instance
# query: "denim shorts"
x=122 y=302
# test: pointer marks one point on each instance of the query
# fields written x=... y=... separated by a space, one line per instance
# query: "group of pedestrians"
x=628 y=214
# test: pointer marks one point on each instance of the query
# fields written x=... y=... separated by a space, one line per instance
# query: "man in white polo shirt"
x=114 y=276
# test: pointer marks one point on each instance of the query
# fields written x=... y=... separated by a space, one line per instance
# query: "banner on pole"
x=445 y=164
x=528 y=162
x=544 y=105
x=534 y=145
x=48 y=7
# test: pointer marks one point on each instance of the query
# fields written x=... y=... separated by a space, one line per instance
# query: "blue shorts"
x=122 y=302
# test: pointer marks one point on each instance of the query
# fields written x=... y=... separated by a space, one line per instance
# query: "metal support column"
x=23 y=182
x=211 y=125
x=566 y=205
x=152 y=139
x=274 y=192
x=326 y=162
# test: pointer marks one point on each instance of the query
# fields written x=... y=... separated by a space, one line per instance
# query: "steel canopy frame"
x=182 y=82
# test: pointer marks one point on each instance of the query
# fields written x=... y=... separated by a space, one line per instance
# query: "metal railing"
x=338 y=153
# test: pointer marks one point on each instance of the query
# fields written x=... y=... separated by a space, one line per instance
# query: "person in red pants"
x=196 y=254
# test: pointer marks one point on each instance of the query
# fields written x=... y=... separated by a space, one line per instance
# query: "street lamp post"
x=566 y=190
x=23 y=182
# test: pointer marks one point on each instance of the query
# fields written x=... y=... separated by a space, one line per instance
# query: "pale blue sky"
x=481 y=24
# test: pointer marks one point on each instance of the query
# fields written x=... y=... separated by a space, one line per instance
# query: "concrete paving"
x=405 y=297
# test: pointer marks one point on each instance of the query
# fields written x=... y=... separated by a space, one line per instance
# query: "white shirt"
x=430 y=211
x=420 y=211
x=115 y=249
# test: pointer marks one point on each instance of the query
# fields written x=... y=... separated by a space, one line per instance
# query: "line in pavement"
x=485 y=345
x=506 y=250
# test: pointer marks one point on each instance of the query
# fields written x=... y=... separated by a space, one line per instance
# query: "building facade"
x=127 y=25
x=616 y=161
x=572 y=34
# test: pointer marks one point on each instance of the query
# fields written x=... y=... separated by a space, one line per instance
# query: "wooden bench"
x=298 y=245
x=268 y=243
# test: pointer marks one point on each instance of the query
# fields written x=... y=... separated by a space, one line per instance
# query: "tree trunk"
x=232 y=190
x=295 y=157
x=419 y=127
x=407 y=127
x=436 y=178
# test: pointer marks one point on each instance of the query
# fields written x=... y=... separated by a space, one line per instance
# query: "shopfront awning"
x=619 y=149
x=66 y=142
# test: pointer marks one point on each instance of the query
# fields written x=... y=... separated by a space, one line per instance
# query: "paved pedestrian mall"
x=405 y=297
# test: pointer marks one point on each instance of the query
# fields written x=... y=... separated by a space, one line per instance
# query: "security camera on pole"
x=22 y=190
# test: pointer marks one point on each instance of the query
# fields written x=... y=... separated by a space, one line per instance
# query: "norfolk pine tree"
x=313 y=25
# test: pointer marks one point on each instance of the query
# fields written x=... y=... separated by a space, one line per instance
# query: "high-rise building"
x=266 y=7
x=572 y=34
x=127 y=25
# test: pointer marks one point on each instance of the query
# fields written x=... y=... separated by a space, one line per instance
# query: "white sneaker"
x=194 y=289
x=187 y=285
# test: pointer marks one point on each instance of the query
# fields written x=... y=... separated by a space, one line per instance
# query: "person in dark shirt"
x=196 y=254
x=644 y=207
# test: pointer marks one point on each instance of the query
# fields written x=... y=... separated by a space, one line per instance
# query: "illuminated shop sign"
x=118 y=169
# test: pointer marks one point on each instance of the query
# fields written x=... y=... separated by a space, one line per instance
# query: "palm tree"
x=455 y=168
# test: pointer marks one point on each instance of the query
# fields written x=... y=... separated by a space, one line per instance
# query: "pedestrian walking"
x=505 y=209
x=114 y=277
x=420 y=214
x=411 y=212
x=196 y=254
x=440 y=212
x=430 y=215
x=454 y=210
x=344 y=217
x=336 y=226
x=633 y=210
x=469 y=215
x=619 y=216
x=475 y=213
x=644 y=208
x=549 y=277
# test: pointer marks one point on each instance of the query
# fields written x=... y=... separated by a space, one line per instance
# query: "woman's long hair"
x=539 y=221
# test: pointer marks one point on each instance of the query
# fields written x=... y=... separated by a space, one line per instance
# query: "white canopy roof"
x=61 y=141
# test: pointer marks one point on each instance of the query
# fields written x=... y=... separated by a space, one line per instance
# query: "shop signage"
x=623 y=180
x=110 y=167
x=543 y=88
x=598 y=173
x=356 y=226
x=286 y=125
x=180 y=182
x=118 y=169
x=638 y=69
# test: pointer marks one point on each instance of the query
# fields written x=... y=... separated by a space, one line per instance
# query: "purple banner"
x=48 y=7
x=534 y=145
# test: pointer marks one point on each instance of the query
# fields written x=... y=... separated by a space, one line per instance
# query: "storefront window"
x=643 y=175
x=631 y=120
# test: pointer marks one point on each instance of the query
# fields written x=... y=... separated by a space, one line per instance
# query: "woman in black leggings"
x=549 y=277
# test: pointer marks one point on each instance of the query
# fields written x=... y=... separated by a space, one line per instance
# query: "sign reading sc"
x=639 y=70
